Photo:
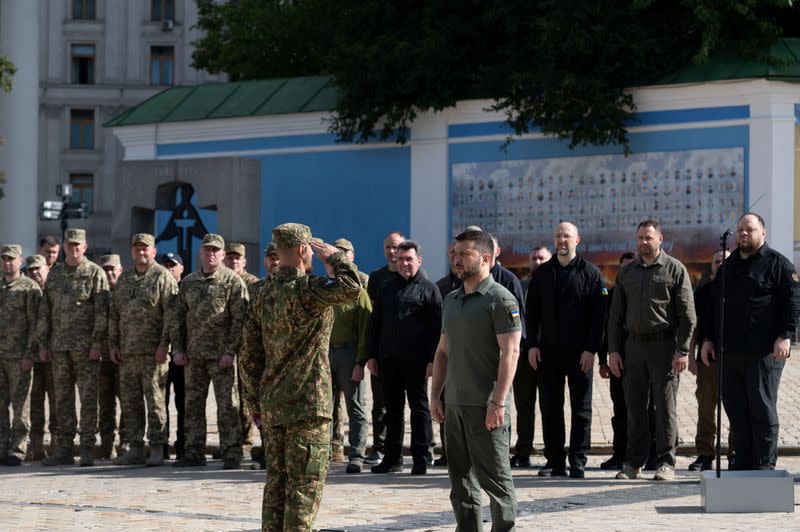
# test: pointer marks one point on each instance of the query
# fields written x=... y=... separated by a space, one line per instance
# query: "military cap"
x=270 y=249
x=35 y=261
x=343 y=244
x=143 y=238
x=473 y=228
x=235 y=247
x=111 y=259
x=75 y=236
x=171 y=257
x=11 y=250
x=214 y=241
x=291 y=235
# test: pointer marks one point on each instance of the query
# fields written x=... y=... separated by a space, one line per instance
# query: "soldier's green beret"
x=235 y=247
x=343 y=244
x=35 y=261
x=143 y=238
x=110 y=260
x=75 y=236
x=214 y=241
x=11 y=250
x=291 y=235
x=270 y=249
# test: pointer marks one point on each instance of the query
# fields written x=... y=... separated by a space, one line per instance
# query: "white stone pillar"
x=429 y=203
x=772 y=168
x=19 y=123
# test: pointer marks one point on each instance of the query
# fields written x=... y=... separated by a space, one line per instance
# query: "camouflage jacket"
x=19 y=300
x=141 y=309
x=252 y=282
x=74 y=310
x=209 y=313
x=284 y=358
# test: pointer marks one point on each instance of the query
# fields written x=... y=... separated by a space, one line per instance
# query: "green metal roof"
x=729 y=64
x=317 y=93
x=232 y=100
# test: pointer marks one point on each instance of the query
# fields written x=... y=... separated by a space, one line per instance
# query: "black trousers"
x=556 y=366
x=750 y=396
x=378 y=414
x=525 y=403
x=401 y=380
x=176 y=379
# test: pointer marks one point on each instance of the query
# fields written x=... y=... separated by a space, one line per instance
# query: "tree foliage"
x=7 y=71
x=562 y=66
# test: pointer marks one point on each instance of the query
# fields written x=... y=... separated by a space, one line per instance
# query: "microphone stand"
x=723 y=244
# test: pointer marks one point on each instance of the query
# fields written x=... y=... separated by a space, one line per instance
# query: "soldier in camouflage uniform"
x=139 y=337
x=19 y=299
x=108 y=382
x=285 y=370
x=236 y=260
x=71 y=329
x=209 y=314
x=36 y=268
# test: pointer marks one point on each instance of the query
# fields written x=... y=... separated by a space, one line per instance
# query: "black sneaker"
x=387 y=466
x=613 y=463
x=520 y=461
x=576 y=472
x=420 y=467
x=552 y=471
x=12 y=460
x=189 y=459
x=703 y=463
x=374 y=457
x=231 y=463
x=440 y=462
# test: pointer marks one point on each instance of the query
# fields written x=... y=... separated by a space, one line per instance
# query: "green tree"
x=561 y=65
x=7 y=71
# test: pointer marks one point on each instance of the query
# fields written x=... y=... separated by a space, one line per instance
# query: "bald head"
x=566 y=240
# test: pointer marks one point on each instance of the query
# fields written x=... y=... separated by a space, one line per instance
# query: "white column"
x=771 y=168
x=19 y=123
x=429 y=204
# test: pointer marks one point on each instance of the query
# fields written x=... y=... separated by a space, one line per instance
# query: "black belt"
x=653 y=337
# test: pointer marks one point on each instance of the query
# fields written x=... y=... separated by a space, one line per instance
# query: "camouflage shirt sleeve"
x=168 y=300
x=34 y=299
x=43 y=320
x=100 y=293
x=342 y=288
x=252 y=357
x=237 y=303
x=179 y=322
x=113 y=323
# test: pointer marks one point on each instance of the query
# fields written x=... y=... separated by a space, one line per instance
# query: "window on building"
x=162 y=9
x=81 y=129
x=83 y=9
x=83 y=64
x=162 y=65
x=82 y=188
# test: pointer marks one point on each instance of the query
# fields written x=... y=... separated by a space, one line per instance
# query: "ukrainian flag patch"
x=514 y=313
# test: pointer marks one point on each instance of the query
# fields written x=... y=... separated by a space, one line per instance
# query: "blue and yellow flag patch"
x=514 y=313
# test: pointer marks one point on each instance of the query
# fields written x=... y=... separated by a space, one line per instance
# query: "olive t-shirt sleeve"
x=505 y=316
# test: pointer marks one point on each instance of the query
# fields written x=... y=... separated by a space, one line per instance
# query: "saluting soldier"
x=285 y=370
x=139 y=337
x=209 y=313
x=19 y=299
x=71 y=330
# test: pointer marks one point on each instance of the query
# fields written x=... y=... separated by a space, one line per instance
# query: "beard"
x=468 y=273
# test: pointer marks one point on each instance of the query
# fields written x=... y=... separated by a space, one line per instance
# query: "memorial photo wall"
x=694 y=194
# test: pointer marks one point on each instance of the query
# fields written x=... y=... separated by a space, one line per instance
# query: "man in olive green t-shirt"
x=475 y=364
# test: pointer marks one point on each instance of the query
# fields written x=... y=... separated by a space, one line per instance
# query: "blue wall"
x=357 y=194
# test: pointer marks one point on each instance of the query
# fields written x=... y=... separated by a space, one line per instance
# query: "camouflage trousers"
x=15 y=387
x=142 y=380
x=43 y=385
x=245 y=416
x=71 y=368
x=107 y=394
x=297 y=463
x=199 y=373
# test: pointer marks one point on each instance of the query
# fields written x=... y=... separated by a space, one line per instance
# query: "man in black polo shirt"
x=476 y=359
x=403 y=332
x=762 y=308
x=566 y=312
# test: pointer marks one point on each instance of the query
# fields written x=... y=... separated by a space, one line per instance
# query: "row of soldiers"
x=107 y=331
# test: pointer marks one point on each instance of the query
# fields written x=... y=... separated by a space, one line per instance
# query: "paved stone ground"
x=105 y=497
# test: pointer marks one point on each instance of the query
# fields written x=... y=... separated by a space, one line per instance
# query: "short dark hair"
x=628 y=255
x=407 y=245
x=483 y=241
x=539 y=248
x=649 y=223
x=398 y=233
x=757 y=217
x=48 y=240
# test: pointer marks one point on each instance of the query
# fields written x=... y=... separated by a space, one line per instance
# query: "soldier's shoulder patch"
x=604 y=291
